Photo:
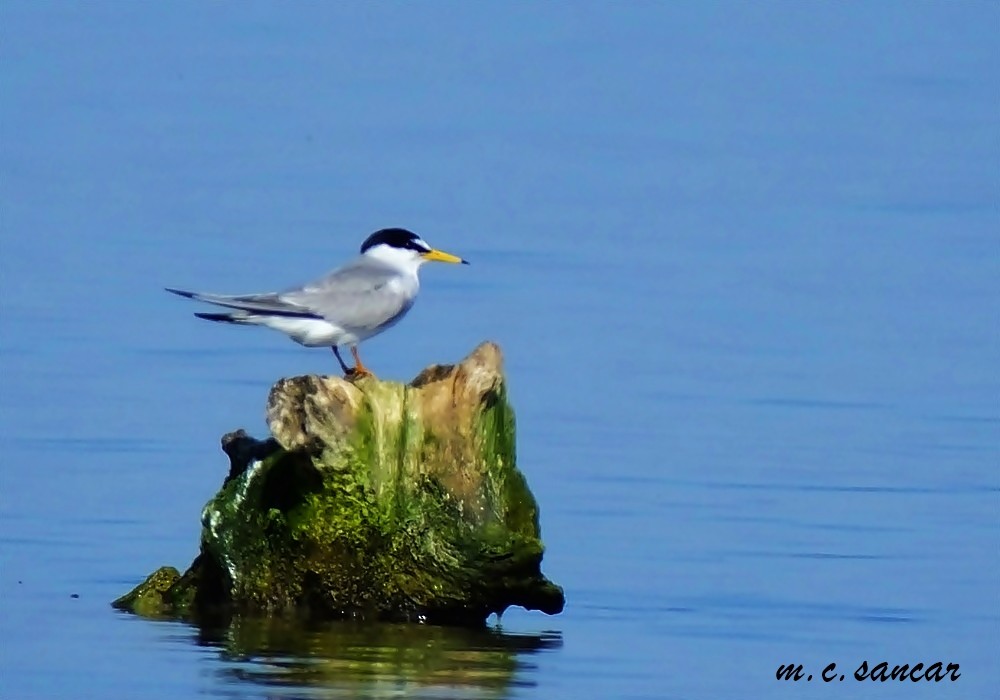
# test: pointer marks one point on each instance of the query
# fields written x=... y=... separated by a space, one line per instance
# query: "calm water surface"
x=743 y=260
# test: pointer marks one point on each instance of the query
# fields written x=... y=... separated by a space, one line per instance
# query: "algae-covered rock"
x=153 y=597
x=376 y=500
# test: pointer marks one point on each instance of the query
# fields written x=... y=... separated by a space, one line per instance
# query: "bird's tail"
x=224 y=318
x=248 y=306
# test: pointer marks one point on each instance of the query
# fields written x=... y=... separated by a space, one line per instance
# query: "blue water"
x=743 y=260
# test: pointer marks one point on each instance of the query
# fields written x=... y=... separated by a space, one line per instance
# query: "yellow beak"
x=441 y=256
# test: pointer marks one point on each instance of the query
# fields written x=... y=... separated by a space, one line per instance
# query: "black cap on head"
x=396 y=238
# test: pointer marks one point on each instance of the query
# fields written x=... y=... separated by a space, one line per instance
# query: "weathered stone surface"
x=374 y=499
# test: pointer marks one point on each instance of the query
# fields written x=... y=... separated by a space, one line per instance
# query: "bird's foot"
x=359 y=368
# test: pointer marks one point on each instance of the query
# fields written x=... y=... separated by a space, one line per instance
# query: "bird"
x=354 y=302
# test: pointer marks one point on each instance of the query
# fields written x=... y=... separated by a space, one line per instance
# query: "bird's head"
x=404 y=249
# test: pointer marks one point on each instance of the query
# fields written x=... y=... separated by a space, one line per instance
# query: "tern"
x=366 y=296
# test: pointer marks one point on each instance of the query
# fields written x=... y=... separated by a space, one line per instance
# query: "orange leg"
x=359 y=367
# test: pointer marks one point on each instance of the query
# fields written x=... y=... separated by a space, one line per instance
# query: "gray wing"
x=356 y=296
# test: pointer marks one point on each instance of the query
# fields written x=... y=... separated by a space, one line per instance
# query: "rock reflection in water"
x=288 y=659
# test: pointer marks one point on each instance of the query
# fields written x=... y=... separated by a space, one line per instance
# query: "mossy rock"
x=373 y=500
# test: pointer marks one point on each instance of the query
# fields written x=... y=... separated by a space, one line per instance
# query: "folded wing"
x=359 y=296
